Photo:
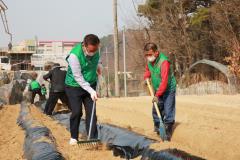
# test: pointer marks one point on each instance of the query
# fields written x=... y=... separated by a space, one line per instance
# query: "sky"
x=64 y=19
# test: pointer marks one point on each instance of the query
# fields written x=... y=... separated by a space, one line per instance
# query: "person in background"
x=57 y=88
x=160 y=71
x=35 y=87
x=43 y=91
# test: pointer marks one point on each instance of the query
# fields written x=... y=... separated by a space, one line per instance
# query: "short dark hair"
x=91 y=39
x=150 y=46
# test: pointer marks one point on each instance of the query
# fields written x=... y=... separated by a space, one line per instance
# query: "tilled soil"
x=62 y=137
x=11 y=135
x=206 y=126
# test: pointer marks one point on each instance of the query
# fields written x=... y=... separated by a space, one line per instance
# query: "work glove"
x=145 y=82
x=94 y=96
x=155 y=99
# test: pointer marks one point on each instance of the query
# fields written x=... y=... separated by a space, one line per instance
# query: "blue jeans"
x=167 y=108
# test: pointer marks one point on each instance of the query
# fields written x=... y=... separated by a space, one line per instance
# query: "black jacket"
x=57 y=79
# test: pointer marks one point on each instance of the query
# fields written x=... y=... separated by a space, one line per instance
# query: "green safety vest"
x=156 y=73
x=34 y=85
x=43 y=90
x=88 y=67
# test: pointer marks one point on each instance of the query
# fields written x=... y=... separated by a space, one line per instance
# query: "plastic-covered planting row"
x=123 y=142
x=12 y=86
x=168 y=154
x=39 y=143
x=12 y=93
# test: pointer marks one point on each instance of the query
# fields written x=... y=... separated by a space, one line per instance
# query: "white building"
x=54 y=51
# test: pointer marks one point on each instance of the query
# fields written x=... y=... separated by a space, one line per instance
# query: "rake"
x=162 y=131
x=93 y=143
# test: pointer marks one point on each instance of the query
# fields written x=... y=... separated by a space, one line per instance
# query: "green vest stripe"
x=88 y=67
x=156 y=73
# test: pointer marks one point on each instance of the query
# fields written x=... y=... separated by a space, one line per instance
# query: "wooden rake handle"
x=152 y=94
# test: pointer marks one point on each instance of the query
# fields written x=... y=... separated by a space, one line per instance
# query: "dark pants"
x=78 y=96
x=43 y=97
x=34 y=92
x=166 y=106
x=52 y=101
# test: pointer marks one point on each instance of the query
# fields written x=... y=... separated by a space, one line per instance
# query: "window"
x=31 y=48
x=4 y=60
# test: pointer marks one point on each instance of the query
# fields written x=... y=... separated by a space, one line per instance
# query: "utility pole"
x=124 y=63
x=116 y=49
x=106 y=54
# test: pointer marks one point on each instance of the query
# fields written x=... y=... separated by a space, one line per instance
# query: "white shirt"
x=76 y=70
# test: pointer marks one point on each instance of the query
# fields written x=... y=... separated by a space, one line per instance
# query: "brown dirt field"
x=206 y=126
x=11 y=135
x=62 y=137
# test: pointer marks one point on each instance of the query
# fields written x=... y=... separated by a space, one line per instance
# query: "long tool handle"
x=91 y=121
x=92 y=114
x=152 y=94
x=162 y=131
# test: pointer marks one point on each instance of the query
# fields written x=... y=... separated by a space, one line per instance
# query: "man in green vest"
x=160 y=71
x=81 y=81
x=35 y=87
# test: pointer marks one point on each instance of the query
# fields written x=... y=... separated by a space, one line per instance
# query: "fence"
x=209 y=87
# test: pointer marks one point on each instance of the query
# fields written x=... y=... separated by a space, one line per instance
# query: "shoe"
x=73 y=141
x=169 y=130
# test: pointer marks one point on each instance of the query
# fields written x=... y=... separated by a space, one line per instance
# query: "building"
x=19 y=57
x=50 y=47
x=30 y=54
x=52 y=51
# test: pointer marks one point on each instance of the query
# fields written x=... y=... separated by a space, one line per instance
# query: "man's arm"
x=48 y=75
x=147 y=73
x=76 y=70
x=165 y=67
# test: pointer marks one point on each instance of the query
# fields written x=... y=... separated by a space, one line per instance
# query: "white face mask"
x=90 y=54
x=151 y=58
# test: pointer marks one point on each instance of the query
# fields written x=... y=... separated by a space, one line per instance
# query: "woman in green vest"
x=35 y=87
x=160 y=71
x=81 y=80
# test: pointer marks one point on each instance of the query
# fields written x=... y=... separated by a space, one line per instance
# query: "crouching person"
x=34 y=87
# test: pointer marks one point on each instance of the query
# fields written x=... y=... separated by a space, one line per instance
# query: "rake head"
x=92 y=143
x=162 y=132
